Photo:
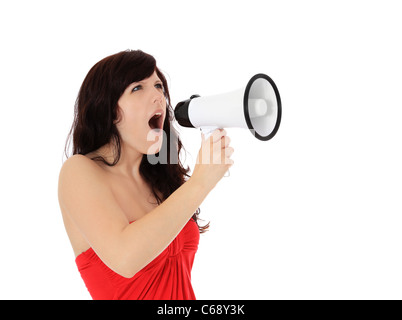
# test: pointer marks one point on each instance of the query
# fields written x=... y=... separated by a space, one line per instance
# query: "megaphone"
x=256 y=107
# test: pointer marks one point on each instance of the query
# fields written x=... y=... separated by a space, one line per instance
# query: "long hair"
x=96 y=112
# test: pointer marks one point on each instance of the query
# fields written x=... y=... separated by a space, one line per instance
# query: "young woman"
x=133 y=225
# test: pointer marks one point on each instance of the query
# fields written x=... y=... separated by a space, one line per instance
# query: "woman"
x=133 y=225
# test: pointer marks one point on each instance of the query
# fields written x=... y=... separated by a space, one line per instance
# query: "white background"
x=314 y=213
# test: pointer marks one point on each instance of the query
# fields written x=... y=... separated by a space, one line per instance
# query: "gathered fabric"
x=167 y=277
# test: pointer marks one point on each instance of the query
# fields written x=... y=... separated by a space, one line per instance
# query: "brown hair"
x=96 y=112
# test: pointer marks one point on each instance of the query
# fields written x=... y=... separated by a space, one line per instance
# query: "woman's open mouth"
x=156 y=121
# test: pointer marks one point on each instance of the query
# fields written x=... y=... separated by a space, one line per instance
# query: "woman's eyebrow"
x=142 y=82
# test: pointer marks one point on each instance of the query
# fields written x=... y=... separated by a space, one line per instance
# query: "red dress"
x=167 y=277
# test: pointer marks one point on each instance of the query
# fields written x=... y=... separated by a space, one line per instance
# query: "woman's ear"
x=119 y=115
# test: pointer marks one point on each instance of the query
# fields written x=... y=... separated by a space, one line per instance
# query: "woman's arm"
x=123 y=247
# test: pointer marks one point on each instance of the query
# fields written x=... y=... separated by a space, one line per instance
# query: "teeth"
x=158 y=114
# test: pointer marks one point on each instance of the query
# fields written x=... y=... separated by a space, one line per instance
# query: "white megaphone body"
x=256 y=107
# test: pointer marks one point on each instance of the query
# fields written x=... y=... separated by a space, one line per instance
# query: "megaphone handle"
x=207 y=131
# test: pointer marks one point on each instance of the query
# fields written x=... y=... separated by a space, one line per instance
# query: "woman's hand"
x=213 y=159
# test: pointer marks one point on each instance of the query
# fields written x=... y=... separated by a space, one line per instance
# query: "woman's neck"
x=128 y=164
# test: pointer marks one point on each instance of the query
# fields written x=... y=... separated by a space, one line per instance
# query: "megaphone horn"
x=256 y=107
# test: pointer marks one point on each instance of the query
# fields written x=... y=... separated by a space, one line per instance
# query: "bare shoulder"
x=89 y=208
x=79 y=167
x=75 y=174
x=80 y=163
x=78 y=175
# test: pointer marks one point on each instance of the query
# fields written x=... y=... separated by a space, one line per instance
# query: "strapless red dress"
x=167 y=277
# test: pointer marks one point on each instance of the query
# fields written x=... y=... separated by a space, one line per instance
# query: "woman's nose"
x=158 y=96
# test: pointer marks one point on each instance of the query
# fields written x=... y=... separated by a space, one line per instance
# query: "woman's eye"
x=159 y=85
x=136 y=88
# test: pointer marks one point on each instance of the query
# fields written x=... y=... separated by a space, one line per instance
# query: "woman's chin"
x=156 y=132
x=154 y=147
x=154 y=141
